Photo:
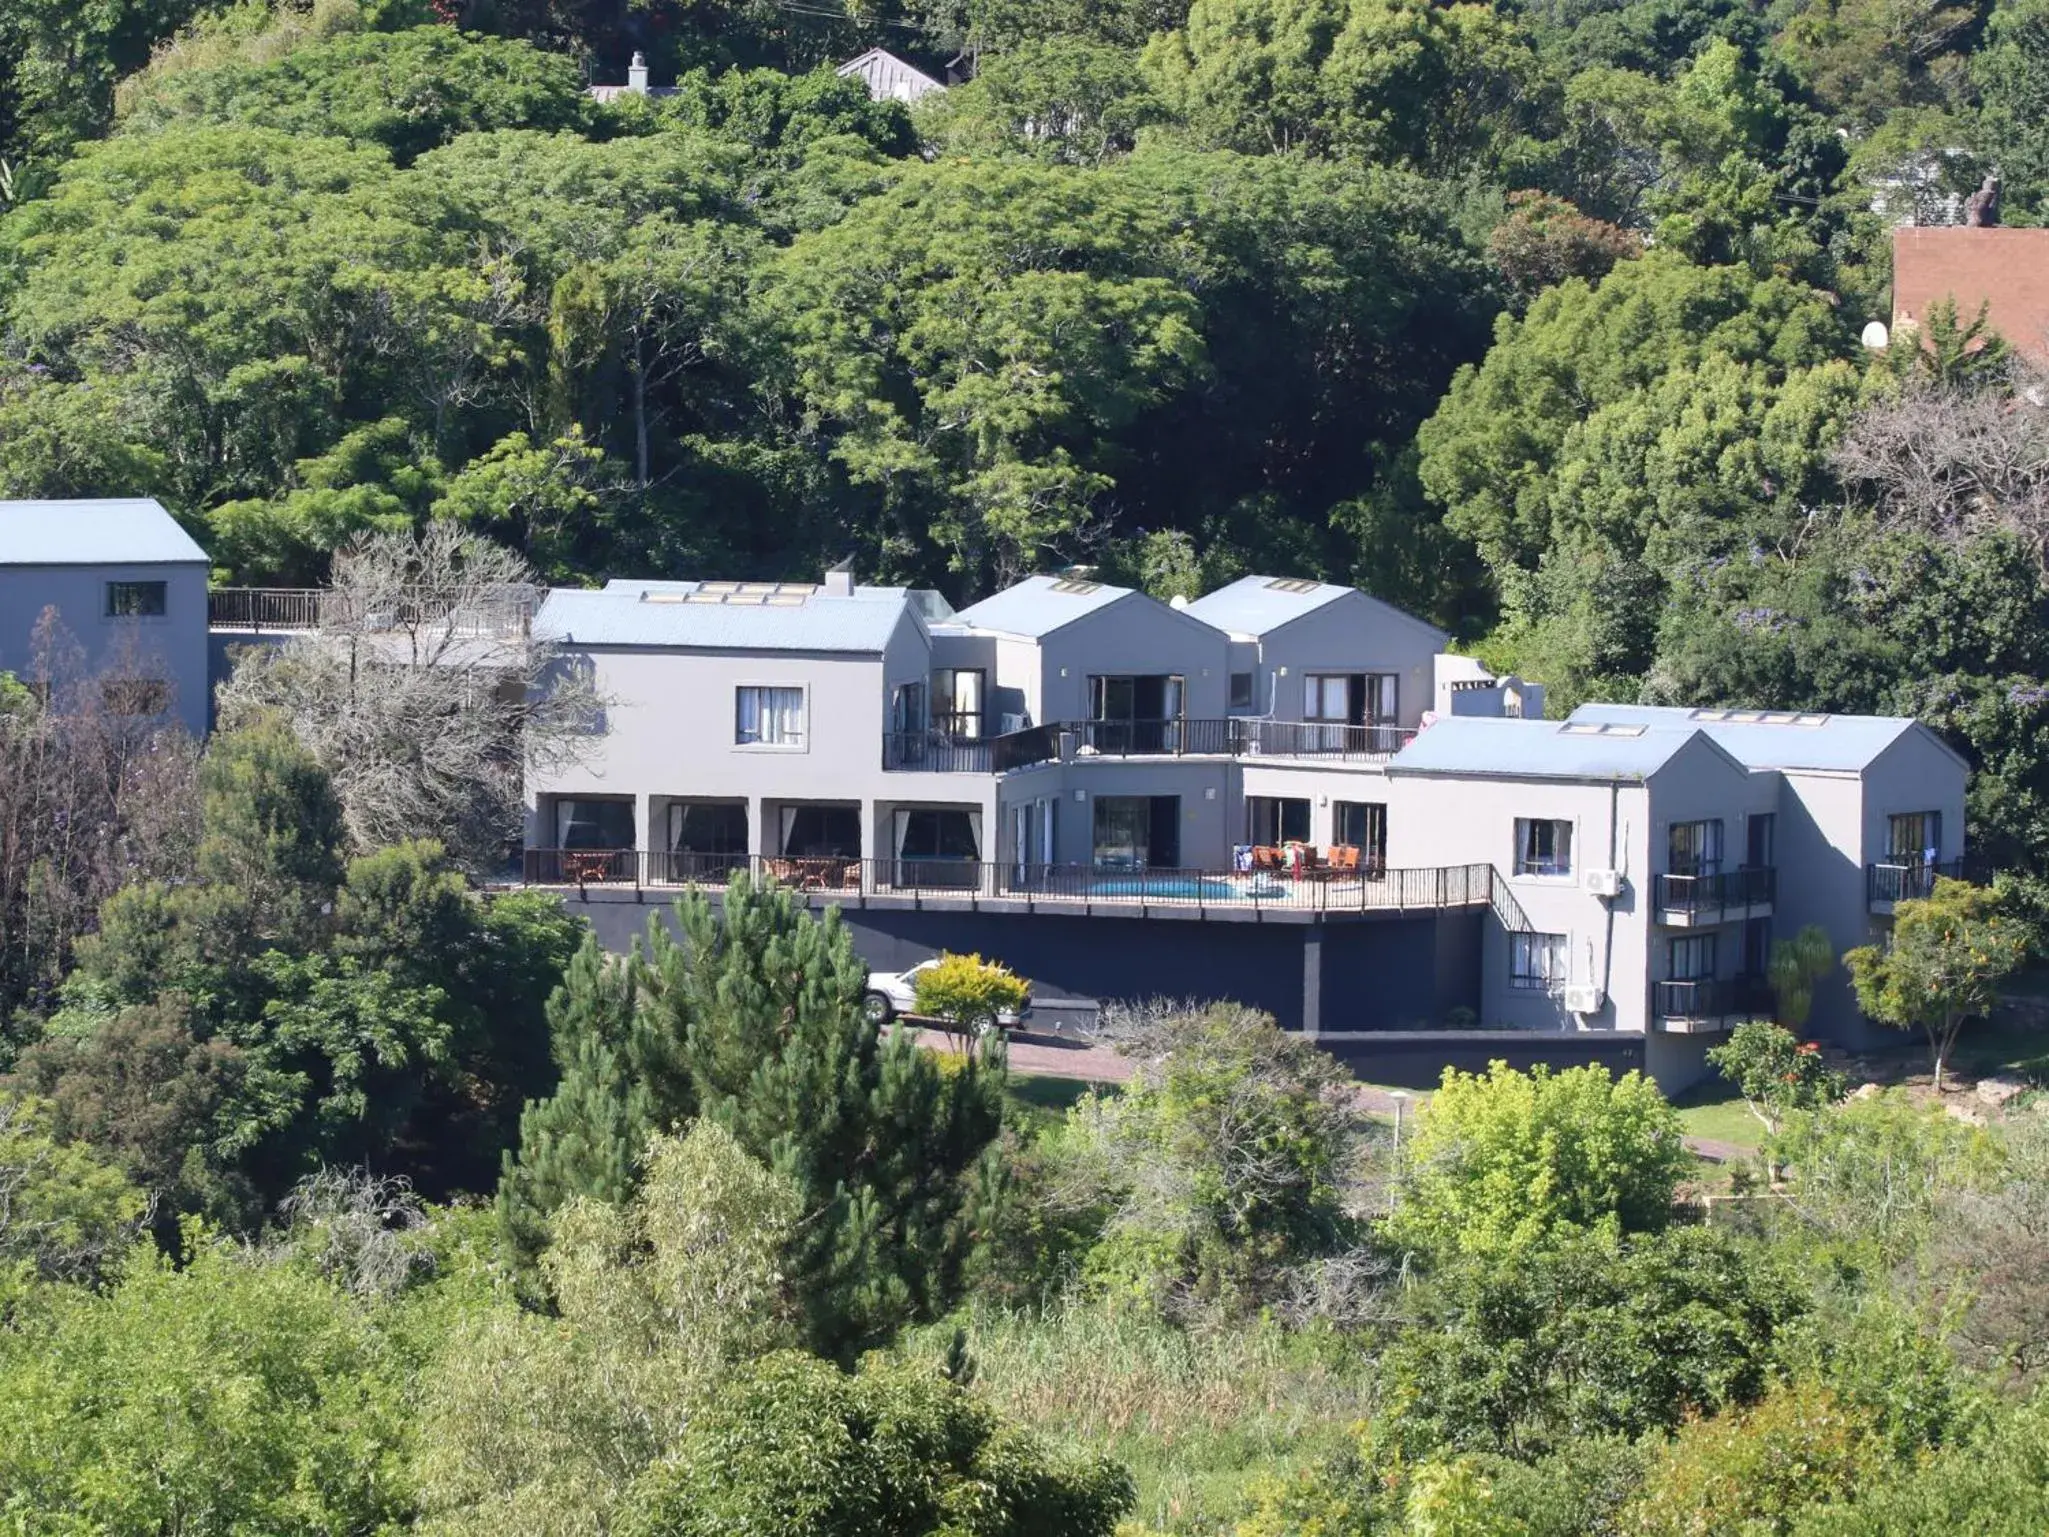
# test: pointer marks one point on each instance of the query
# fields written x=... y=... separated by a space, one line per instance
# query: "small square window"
x=135 y=600
x=1537 y=962
x=768 y=717
x=1241 y=691
x=1542 y=847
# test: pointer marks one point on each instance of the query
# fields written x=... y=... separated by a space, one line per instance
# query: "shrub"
x=969 y=993
x=1505 y=1160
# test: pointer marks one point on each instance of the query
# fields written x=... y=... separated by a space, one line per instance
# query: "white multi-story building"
x=1285 y=792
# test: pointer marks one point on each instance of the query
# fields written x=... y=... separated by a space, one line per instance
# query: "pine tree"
x=588 y=1137
x=752 y=1018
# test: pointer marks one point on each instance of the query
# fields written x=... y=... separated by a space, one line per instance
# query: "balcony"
x=1886 y=885
x=503 y=611
x=1083 y=889
x=1232 y=737
x=1709 y=1007
x=1728 y=896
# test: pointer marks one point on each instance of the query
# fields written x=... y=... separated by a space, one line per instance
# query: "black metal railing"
x=935 y=752
x=1706 y=896
x=1082 y=886
x=1721 y=998
x=1231 y=736
x=1908 y=881
x=497 y=611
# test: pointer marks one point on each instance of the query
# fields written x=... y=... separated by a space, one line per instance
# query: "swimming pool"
x=1190 y=888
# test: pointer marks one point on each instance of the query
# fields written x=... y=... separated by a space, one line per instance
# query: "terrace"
x=1081 y=889
x=1886 y=885
x=1709 y=1007
x=1690 y=901
x=1085 y=740
x=298 y=610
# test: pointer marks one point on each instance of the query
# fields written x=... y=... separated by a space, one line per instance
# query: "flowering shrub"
x=1776 y=1072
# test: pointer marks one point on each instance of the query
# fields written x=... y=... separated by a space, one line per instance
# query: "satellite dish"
x=1179 y=600
x=1876 y=336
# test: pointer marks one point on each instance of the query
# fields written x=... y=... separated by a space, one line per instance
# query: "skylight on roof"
x=1292 y=584
x=740 y=594
x=1759 y=718
x=1068 y=584
x=1600 y=728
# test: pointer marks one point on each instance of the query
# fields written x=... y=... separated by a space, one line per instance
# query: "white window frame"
x=1539 y=962
x=803 y=742
x=1563 y=869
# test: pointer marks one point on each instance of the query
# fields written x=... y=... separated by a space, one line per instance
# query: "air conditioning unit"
x=1583 y=998
x=1605 y=883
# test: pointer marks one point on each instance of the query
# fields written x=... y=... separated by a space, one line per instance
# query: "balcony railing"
x=498 y=612
x=1722 y=999
x=1910 y=881
x=1233 y=736
x=1076 y=886
x=1707 y=898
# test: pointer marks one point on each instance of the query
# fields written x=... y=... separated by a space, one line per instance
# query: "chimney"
x=839 y=580
x=636 y=73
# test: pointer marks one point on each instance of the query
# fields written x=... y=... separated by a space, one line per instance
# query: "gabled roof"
x=1774 y=739
x=889 y=78
x=1039 y=605
x=1489 y=746
x=664 y=615
x=2006 y=270
x=110 y=531
x=1254 y=606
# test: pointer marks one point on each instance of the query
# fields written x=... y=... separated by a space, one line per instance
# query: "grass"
x=1197 y=1418
x=1046 y=1098
x=1715 y=1112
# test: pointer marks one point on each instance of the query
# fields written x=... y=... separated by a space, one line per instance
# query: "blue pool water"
x=1188 y=886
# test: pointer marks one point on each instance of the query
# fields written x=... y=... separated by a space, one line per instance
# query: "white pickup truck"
x=894 y=993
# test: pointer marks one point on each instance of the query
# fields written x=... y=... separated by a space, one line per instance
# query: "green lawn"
x=1713 y=1111
x=1046 y=1098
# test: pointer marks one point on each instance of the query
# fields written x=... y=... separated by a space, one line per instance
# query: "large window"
x=957 y=707
x=1362 y=825
x=908 y=712
x=1138 y=832
x=1271 y=820
x=1914 y=838
x=1542 y=847
x=707 y=836
x=1694 y=848
x=135 y=600
x=1691 y=958
x=1537 y=962
x=1352 y=698
x=593 y=824
x=768 y=717
x=1241 y=691
x=821 y=832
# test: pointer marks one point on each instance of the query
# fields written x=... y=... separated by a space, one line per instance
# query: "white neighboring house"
x=127 y=583
x=889 y=78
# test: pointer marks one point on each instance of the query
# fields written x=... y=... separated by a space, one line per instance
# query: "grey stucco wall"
x=1347 y=635
x=172 y=647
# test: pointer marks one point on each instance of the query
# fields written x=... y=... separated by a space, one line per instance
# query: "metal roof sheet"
x=889 y=78
x=1039 y=605
x=1785 y=740
x=1258 y=605
x=109 y=531
x=1536 y=749
x=859 y=625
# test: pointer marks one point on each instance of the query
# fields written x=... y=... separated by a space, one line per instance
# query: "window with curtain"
x=768 y=717
x=1914 y=838
x=1537 y=962
x=1542 y=847
x=957 y=694
x=1694 y=848
x=1691 y=958
x=1327 y=697
x=591 y=824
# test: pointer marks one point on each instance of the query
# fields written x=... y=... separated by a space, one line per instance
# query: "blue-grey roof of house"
x=646 y=615
x=1537 y=749
x=1778 y=739
x=111 y=531
x=1039 y=605
x=1259 y=605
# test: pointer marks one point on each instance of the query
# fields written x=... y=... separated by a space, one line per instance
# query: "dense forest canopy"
x=1540 y=320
